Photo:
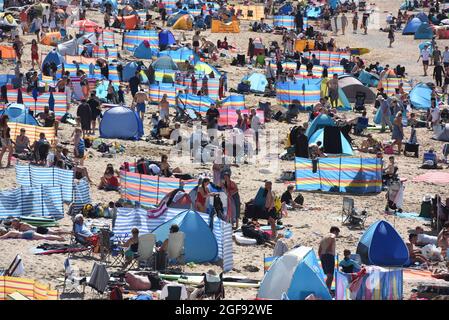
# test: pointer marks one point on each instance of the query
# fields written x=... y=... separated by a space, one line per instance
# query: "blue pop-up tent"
x=258 y=82
x=319 y=122
x=424 y=31
x=420 y=96
x=332 y=141
x=121 y=123
x=166 y=38
x=412 y=26
x=20 y=114
x=144 y=51
x=381 y=245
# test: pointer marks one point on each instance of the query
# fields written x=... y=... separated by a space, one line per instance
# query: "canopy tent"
x=130 y=127
x=20 y=114
x=346 y=175
x=321 y=121
x=296 y=274
x=258 y=82
x=382 y=245
x=412 y=26
x=332 y=141
x=352 y=86
x=200 y=244
x=420 y=96
x=424 y=31
x=144 y=51
x=207 y=69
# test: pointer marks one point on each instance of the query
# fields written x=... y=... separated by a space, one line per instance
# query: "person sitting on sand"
x=349 y=265
x=415 y=254
x=251 y=229
x=22 y=227
x=109 y=182
x=287 y=200
x=28 y=235
x=370 y=145
x=166 y=171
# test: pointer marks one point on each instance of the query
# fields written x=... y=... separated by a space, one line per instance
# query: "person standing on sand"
x=391 y=37
x=326 y=252
x=355 y=22
x=344 y=23
x=336 y=23
x=365 y=18
x=425 y=56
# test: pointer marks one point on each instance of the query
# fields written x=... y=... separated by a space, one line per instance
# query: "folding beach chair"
x=175 y=250
x=350 y=215
x=76 y=283
x=145 y=253
x=15 y=269
x=174 y=291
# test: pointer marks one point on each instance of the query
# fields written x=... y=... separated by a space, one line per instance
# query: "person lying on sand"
x=415 y=254
x=28 y=235
x=23 y=227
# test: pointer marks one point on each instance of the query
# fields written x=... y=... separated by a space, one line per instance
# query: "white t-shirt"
x=425 y=55
x=446 y=56
x=426 y=239
x=255 y=123
x=154 y=168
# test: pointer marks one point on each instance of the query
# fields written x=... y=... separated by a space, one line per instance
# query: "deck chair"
x=350 y=216
x=75 y=281
x=174 y=291
x=175 y=250
x=213 y=287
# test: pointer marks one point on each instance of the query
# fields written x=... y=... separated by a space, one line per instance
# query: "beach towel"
x=433 y=177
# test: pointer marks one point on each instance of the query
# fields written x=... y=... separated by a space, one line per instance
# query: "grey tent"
x=351 y=86
x=444 y=134
x=71 y=47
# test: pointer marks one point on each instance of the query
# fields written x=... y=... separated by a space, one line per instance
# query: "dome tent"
x=121 y=123
x=207 y=69
x=424 y=31
x=53 y=56
x=412 y=26
x=423 y=17
x=351 y=86
x=200 y=243
x=144 y=51
x=185 y=22
x=164 y=63
x=130 y=69
x=175 y=17
x=333 y=141
x=296 y=274
x=381 y=245
x=20 y=114
x=319 y=122
x=258 y=82
x=166 y=38
x=420 y=96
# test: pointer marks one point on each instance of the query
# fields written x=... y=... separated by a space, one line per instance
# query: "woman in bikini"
x=202 y=195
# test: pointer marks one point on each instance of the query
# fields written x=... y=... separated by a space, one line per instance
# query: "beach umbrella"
x=86 y=24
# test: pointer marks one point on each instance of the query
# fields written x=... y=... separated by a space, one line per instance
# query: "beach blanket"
x=433 y=177
x=411 y=215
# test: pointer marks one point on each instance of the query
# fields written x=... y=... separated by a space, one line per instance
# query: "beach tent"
x=313 y=12
x=206 y=68
x=144 y=51
x=164 y=63
x=296 y=274
x=424 y=31
x=7 y=52
x=343 y=102
x=302 y=44
x=200 y=244
x=71 y=47
x=166 y=38
x=132 y=38
x=258 y=82
x=323 y=120
x=181 y=55
x=382 y=245
x=20 y=114
x=185 y=22
x=129 y=70
x=444 y=134
x=423 y=17
x=175 y=17
x=286 y=9
x=351 y=86
x=131 y=22
x=412 y=26
x=225 y=27
x=53 y=56
x=342 y=174
x=333 y=141
x=51 y=38
x=369 y=79
x=121 y=123
x=420 y=96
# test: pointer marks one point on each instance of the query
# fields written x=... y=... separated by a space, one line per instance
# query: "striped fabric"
x=158 y=91
x=31 y=289
x=228 y=116
x=92 y=71
x=149 y=190
x=318 y=71
x=329 y=58
x=267 y=262
x=47 y=81
x=42 y=101
x=391 y=84
x=198 y=104
x=347 y=175
x=133 y=38
x=28 y=175
x=306 y=91
x=33 y=132
x=80 y=59
x=377 y=284
x=128 y=218
x=287 y=22
x=45 y=201
x=234 y=102
x=286 y=66
x=100 y=52
x=211 y=86
x=107 y=38
x=165 y=76
x=181 y=55
x=113 y=75
x=81 y=194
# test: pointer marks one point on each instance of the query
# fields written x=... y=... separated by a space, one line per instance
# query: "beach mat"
x=433 y=177
x=412 y=215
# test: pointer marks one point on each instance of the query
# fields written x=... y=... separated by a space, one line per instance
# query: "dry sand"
x=308 y=226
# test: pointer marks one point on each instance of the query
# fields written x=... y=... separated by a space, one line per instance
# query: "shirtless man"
x=28 y=235
x=326 y=252
x=332 y=90
x=22 y=227
x=140 y=99
x=415 y=254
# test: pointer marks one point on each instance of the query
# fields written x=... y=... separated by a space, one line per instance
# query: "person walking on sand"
x=425 y=56
x=326 y=252
x=365 y=18
x=391 y=37
x=355 y=22
x=336 y=23
x=344 y=23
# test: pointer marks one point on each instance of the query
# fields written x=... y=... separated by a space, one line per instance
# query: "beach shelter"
x=121 y=123
x=424 y=31
x=287 y=22
x=323 y=120
x=296 y=275
x=7 y=52
x=164 y=63
x=306 y=92
x=129 y=70
x=53 y=57
x=18 y=113
x=369 y=79
x=181 y=55
x=219 y=26
x=206 y=68
x=51 y=38
x=444 y=134
x=332 y=140
x=131 y=22
x=313 y=12
x=200 y=244
x=420 y=96
x=144 y=51
x=382 y=245
x=175 y=17
x=412 y=26
x=286 y=9
x=351 y=86
x=423 y=17
x=185 y=22
x=166 y=38
x=258 y=82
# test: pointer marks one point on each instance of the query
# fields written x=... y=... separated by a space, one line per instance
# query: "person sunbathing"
x=370 y=145
x=23 y=227
x=415 y=254
x=425 y=239
x=28 y=235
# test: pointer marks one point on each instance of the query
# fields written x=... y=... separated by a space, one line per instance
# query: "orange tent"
x=51 y=38
x=221 y=27
x=131 y=22
x=7 y=52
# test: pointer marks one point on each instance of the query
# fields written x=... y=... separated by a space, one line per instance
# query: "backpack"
x=116 y=293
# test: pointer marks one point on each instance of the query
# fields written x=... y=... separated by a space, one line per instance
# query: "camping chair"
x=174 y=291
x=75 y=281
x=350 y=215
x=106 y=245
x=360 y=126
x=146 y=249
x=359 y=105
x=87 y=243
x=98 y=279
x=175 y=250
x=213 y=287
